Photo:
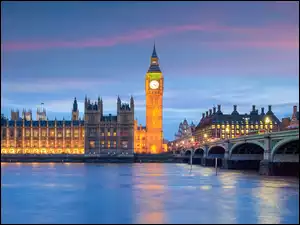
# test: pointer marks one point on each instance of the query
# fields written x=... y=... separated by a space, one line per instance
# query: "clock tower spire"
x=154 y=86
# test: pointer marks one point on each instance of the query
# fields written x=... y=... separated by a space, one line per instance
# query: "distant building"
x=184 y=136
x=215 y=125
x=109 y=134
x=27 y=136
x=291 y=123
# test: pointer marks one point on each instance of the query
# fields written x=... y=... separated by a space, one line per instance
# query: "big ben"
x=154 y=88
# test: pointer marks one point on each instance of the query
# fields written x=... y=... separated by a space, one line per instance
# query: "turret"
x=131 y=103
x=14 y=115
x=219 y=110
x=100 y=105
x=214 y=110
x=85 y=102
x=235 y=112
x=118 y=104
x=75 y=111
x=270 y=110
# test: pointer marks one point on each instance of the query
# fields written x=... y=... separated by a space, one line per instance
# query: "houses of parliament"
x=96 y=133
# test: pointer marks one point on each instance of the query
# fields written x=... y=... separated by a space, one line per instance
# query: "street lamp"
x=227 y=131
x=267 y=121
x=205 y=136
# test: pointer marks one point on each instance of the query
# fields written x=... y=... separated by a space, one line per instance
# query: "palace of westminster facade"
x=97 y=133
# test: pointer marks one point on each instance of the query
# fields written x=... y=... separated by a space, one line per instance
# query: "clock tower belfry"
x=154 y=88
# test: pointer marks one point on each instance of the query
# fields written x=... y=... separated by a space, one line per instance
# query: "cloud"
x=151 y=33
x=53 y=85
x=274 y=44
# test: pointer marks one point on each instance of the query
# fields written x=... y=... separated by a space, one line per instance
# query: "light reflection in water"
x=143 y=193
x=151 y=209
x=268 y=204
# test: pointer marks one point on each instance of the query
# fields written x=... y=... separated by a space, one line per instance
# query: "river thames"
x=143 y=193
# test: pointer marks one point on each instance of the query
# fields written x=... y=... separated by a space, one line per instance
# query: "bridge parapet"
x=269 y=142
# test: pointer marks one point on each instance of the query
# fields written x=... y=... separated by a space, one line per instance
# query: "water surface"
x=143 y=193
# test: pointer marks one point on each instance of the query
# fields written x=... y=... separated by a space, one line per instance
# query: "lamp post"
x=267 y=121
x=205 y=136
x=227 y=131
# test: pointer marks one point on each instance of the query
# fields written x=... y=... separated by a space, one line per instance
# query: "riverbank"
x=93 y=159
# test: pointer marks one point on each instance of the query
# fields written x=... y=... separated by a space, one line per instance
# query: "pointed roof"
x=154 y=65
x=75 y=105
x=154 y=55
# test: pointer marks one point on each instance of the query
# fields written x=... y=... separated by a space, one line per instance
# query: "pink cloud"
x=274 y=44
x=282 y=38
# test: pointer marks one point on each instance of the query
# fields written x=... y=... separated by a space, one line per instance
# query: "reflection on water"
x=150 y=189
x=143 y=193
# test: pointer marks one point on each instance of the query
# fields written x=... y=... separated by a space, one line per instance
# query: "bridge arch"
x=283 y=144
x=252 y=144
x=216 y=149
x=188 y=152
x=199 y=151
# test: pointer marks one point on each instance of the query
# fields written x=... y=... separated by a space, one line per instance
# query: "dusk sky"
x=244 y=53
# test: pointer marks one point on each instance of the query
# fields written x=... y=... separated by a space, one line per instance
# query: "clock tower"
x=154 y=88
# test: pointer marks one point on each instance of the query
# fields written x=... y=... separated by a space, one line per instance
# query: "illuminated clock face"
x=154 y=84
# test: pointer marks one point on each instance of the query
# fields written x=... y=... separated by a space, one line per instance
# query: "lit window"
x=247 y=131
x=44 y=133
x=266 y=126
x=108 y=133
x=261 y=126
x=92 y=144
x=102 y=134
x=213 y=126
x=251 y=127
x=232 y=136
x=76 y=133
x=115 y=133
x=59 y=134
x=247 y=126
x=237 y=131
x=35 y=133
x=232 y=126
x=242 y=131
x=223 y=126
x=256 y=126
x=68 y=133
x=223 y=131
x=102 y=142
x=271 y=126
x=27 y=133
x=237 y=126
x=218 y=126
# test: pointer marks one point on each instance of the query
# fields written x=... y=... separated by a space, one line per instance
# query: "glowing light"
x=205 y=187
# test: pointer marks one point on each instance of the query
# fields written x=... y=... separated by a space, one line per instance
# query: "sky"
x=243 y=53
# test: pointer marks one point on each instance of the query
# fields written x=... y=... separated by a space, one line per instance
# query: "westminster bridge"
x=270 y=153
